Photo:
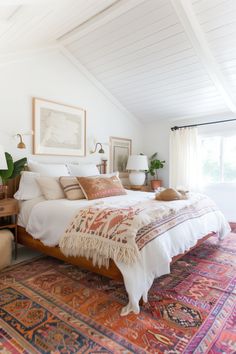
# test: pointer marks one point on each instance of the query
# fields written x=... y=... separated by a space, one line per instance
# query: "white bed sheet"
x=26 y=207
x=48 y=220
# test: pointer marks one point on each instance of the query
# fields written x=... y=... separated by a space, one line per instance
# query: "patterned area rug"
x=47 y=306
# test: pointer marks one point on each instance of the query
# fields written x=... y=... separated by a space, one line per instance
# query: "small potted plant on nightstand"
x=13 y=170
x=155 y=164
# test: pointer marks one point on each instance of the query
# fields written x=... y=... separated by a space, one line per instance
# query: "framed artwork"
x=120 y=149
x=58 y=129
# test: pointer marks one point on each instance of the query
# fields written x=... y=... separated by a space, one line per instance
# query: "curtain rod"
x=196 y=125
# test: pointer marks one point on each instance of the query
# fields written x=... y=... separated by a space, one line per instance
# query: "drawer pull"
x=2 y=208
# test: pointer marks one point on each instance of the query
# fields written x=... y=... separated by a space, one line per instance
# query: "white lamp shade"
x=137 y=163
x=3 y=162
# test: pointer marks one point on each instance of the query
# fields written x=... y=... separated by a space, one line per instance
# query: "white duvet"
x=46 y=220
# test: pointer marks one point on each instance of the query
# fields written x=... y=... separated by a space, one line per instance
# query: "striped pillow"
x=71 y=188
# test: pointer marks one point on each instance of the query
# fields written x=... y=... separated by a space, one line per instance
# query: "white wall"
x=224 y=195
x=52 y=76
x=157 y=140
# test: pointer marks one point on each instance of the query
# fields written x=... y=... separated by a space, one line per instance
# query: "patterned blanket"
x=103 y=232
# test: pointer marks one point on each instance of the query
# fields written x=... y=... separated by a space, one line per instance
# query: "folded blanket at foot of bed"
x=104 y=231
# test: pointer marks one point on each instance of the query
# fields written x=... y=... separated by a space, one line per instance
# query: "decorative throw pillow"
x=51 y=187
x=71 y=188
x=101 y=187
x=171 y=194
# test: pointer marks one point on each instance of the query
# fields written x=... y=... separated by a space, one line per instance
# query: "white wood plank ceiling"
x=162 y=59
x=28 y=24
x=218 y=22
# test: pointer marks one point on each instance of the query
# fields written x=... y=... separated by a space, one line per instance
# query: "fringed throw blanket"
x=102 y=232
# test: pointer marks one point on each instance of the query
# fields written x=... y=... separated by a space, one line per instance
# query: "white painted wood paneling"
x=145 y=58
x=218 y=22
x=39 y=23
x=201 y=6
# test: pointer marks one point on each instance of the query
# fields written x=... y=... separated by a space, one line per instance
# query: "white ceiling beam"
x=195 y=33
x=111 y=12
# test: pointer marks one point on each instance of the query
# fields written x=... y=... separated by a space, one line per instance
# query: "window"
x=218 y=159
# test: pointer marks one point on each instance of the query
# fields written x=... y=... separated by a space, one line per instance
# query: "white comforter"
x=46 y=220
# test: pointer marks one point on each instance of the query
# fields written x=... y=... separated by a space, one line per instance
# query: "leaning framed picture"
x=120 y=149
x=58 y=129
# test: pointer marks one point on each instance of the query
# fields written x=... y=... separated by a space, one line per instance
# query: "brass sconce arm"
x=100 y=151
x=21 y=144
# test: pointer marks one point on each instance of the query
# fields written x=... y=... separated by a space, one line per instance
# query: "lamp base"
x=137 y=178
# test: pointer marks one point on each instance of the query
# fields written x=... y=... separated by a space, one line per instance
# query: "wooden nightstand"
x=8 y=217
x=139 y=188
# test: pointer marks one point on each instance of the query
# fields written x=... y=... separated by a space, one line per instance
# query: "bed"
x=41 y=222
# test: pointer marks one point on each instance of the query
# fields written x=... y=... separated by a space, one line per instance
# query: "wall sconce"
x=21 y=144
x=100 y=151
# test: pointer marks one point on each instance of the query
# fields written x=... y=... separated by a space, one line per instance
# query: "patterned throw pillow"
x=101 y=187
x=71 y=188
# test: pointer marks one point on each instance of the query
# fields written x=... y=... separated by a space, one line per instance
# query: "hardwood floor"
x=24 y=253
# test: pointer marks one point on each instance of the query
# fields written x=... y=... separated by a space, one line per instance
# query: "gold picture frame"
x=120 y=149
x=58 y=129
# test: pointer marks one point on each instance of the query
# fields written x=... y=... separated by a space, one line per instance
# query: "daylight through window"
x=218 y=159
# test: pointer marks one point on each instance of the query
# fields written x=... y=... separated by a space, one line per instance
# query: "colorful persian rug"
x=47 y=306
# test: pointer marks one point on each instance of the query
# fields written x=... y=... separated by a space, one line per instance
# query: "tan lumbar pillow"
x=171 y=194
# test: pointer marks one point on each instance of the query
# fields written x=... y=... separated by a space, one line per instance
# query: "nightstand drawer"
x=8 y=207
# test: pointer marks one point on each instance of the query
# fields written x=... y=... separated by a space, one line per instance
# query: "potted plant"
x=14 y=169
x=155 y=164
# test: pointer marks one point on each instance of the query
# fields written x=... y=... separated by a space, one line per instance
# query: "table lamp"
x=137 y=164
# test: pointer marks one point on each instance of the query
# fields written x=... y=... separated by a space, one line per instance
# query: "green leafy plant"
x=14 y=168
x=155 y=164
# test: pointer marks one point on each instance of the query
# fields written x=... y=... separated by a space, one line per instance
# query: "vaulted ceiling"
x=162 y=59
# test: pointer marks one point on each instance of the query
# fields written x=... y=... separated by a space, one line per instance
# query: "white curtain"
x=184 y=158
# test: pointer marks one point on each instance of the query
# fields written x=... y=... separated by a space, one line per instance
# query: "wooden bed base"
x=112 y=272
x=26 y=239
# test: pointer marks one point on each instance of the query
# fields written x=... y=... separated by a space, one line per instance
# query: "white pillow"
x=52 y=170
x=83 y=170
x=28 y=187
x=50 y=187
x=105 y=175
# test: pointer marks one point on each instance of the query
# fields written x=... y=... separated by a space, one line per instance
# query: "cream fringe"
x=100 y=251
